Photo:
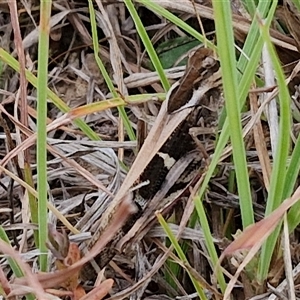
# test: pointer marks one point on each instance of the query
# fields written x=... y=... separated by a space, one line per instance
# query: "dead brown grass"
x=83 y=175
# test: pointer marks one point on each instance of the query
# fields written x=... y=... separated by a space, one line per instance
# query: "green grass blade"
x=247 y=68
x=176 y=21
x=42 y=184
x=147 y=43
x=209 y=241
x=278 y=176
x=297 y=4
x=12 y=263
x=226 y=52
x=254 y=36
x=105 y=74
x=250 y=6
x=60 y=104
x=291 y=178
x=181 y=255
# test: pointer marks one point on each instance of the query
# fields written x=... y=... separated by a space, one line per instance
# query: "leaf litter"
x=83 y=175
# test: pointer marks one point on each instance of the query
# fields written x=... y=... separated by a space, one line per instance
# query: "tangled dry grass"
x=83 y=174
